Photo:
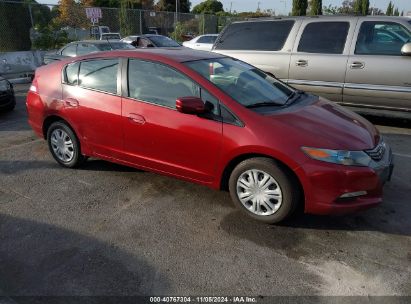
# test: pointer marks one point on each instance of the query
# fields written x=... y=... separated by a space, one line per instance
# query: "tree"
x=365 y=7
x=390 y=9
x=358 y=7
x=208 y=7
x=170 y=6
x=396 y=12
x=316 y=7
x=299 y=7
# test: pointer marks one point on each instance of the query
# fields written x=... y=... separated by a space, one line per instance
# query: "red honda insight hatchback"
x=212 y=120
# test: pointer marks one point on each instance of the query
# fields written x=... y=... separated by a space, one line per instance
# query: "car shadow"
x=39 y=259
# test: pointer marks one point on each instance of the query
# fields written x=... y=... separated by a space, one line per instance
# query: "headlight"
x=4 y=85
x=341 y=157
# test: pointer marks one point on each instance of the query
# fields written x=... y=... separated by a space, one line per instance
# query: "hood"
x=323 y=124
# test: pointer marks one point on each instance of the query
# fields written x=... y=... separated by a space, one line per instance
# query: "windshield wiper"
x=264 y=104
x=294 y=96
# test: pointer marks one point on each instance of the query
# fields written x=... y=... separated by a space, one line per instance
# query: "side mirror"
x=190 y=105
x=406 y=49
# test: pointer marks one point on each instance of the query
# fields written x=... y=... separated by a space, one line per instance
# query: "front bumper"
x=324 y=183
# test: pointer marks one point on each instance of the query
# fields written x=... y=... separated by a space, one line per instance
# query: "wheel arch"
x=239 y=158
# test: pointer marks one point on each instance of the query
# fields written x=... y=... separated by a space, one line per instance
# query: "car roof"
x=180 y=54
x=348 y=17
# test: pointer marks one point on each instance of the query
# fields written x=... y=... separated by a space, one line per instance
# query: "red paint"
x=197 y=149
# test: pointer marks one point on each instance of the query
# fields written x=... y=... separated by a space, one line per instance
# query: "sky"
x=281 y=6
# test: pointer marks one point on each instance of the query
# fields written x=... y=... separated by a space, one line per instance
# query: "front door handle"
x=136 y=118
x=71 y=102
x=301 y=63
x=357 y=65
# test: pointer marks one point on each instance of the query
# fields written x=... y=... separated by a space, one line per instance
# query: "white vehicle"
x=203 y=42
x=97 y=30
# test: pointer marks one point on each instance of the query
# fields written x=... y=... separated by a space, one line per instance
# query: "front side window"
x=163 y=85
x=99 y=75
x=69 y=51
x=259 y=36
x=324 y=37
x=243 y=82
x=381 y=38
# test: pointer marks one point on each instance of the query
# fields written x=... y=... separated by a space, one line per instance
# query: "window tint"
x=381 y=38
x=260 y=35
x=324 y=37
x=206 y=39
x=69 y=51
x=99 y=74
x=71 y=73
x=86 y=48
x=162 y=85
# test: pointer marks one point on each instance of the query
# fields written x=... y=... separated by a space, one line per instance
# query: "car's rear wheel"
x=64 y=145
x=264 y=190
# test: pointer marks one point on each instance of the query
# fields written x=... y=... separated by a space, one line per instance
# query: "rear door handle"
x=357 y=65
x=71 y=102
x=301 y=63
x=136 y=118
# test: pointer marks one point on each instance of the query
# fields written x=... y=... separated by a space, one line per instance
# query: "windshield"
x=163 y=41
x=114 y=46
x=110 y=36
x=243 y=82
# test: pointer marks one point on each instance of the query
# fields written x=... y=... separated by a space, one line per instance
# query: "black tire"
x=288 y=186
x=77 y=158
x=10 y=107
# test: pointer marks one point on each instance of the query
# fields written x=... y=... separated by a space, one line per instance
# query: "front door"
x=377 y=74
x=156 y=135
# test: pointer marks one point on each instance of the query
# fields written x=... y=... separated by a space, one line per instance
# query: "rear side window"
x=324 y=37
x=85 y=48
x=99 y=75
x=260 y=36
x=71 y=73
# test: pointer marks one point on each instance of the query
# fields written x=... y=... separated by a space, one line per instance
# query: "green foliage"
x=396 y=12
x=365 y=7
x=48 y=38
x=208 y=7
x=358 y=7
x=170 y=6
x=316 y=7
x=299 y=7
x=390 y=9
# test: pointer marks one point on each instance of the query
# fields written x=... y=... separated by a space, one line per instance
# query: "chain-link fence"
x=31 y=26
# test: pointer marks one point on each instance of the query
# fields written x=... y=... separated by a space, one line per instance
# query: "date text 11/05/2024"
x=239 y=299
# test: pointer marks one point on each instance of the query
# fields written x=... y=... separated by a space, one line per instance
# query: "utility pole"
x=258 y=6
x=285 y=6
x=231 y=6
x=176 y=17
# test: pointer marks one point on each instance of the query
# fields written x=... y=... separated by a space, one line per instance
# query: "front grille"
x=378 y=152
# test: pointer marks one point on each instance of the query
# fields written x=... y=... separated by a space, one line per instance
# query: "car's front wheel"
x=64 y=145
x=264 y=190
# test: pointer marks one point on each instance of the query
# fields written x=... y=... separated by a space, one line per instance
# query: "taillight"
x=33 y=87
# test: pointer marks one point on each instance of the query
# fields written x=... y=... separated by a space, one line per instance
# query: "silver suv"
x=362 y=62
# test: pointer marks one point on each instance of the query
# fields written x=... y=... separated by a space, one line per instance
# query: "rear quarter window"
x=259 y=36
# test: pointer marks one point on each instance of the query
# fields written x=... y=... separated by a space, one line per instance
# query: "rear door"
x=320 y=56
x=378 y=76
x=92 y=102
x=264 y=44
